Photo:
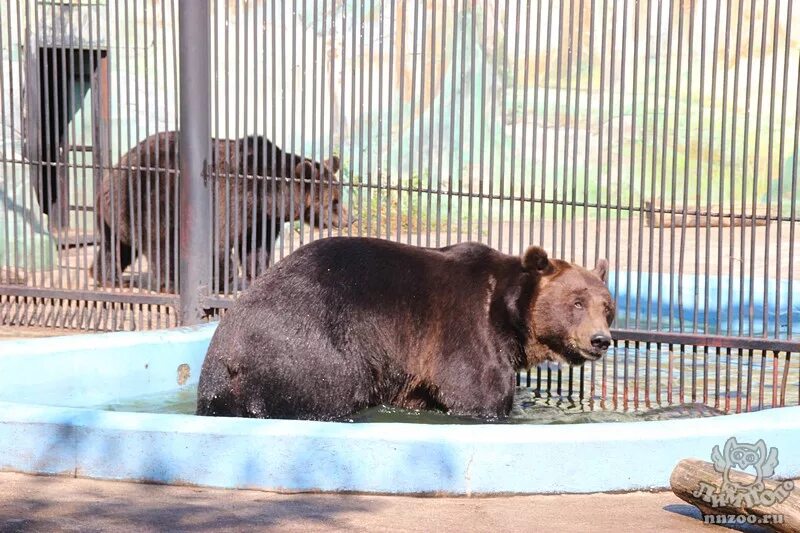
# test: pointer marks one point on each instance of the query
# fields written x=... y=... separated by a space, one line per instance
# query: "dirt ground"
x=38 y=503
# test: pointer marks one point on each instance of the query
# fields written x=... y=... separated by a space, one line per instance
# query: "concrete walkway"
x=39 y=503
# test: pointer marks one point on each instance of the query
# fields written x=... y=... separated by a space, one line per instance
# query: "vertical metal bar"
x=598 y=217
x=473 y=102
x=421 y=133
x=271 y=187
x=587 y=142
x=664 y=134
x=243 y=169
x=414 y=53
x=452 y=126
x=370 y=107
x=326 y=182
x=780 y=199
x=574 y=189
x=5 y=158
x=706 y=373
x=174 y=249
x=432 y=131
x=620 y=145
x=749 y=397
x=294 y=97
x=238 y=181
x=300 y=144
x=462 y=116
x=674 y=192
x=443 y=63
x=522 y=169
x=502 y=132
x=566 y=161
x=194 y=126
x=653 y=171
x=598 y=203
x=611 y=62
x=401 y=128
x=793 y=212
x=642 y=171
x=775 y=384
x=353 y=98
x=136 y=172
x=534 y=166
x=743 y=232
x=219 y=255
x=721 y=166
x=390 y=104
x=159 y=259
x=127 y=203
x=546 y=118
x=315 y=182
x=554 y=219
x=647 y=358
x=734 y=109
x=50 y=133
x=785 y=380
x=756 y=177
x=636 y=351
x=625 y=377
x=670 y=374
x=694 y=373
x=493 y=96
x=85 y=61
x=379 y=166
x=481 y=149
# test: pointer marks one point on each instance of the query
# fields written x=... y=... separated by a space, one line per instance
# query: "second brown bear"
x=136 y=206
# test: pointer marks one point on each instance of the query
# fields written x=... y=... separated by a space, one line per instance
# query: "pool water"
x=528 y=408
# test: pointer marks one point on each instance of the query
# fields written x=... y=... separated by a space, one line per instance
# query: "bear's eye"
x=578 y=304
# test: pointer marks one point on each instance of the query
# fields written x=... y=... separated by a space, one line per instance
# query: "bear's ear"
x=333 y=164
x=304 y=171
x=535 y=259
x=601 y=270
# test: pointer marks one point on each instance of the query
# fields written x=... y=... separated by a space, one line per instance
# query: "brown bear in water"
x=143 y=218
x=348 y=323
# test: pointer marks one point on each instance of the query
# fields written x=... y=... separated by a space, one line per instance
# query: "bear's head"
x=322 y=194
x=570 y=312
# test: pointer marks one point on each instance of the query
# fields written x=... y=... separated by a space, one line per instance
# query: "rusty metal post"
x=195 y=105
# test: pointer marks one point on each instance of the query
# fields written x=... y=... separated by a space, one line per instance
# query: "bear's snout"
x=601 y=341
x=339 y=218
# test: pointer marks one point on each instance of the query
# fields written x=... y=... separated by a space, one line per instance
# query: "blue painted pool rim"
x=286 y=455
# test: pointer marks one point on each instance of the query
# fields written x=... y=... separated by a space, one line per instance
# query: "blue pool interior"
x=714 y=304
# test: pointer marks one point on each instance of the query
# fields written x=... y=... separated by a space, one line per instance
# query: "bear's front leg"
x=256 y=258
x=485 y=390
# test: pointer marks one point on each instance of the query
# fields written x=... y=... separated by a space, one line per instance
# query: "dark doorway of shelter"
x=66 y=76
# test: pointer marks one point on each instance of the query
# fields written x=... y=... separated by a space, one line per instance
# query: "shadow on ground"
x=41 y=503
x=693 y=512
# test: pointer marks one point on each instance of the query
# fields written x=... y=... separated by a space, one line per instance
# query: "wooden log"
x=698 y=483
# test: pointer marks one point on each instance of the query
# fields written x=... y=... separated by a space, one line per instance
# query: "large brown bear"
x=248 y=212
x=348 y=323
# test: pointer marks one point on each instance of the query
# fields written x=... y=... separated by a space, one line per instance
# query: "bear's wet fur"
x=348 y=323
x=137 y=214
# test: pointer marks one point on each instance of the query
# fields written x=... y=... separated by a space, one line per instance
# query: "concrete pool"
x=68 y=406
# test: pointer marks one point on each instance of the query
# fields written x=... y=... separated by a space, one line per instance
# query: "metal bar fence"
x=661 y=135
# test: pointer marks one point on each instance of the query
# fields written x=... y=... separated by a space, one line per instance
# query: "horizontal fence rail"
x=661 y=135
